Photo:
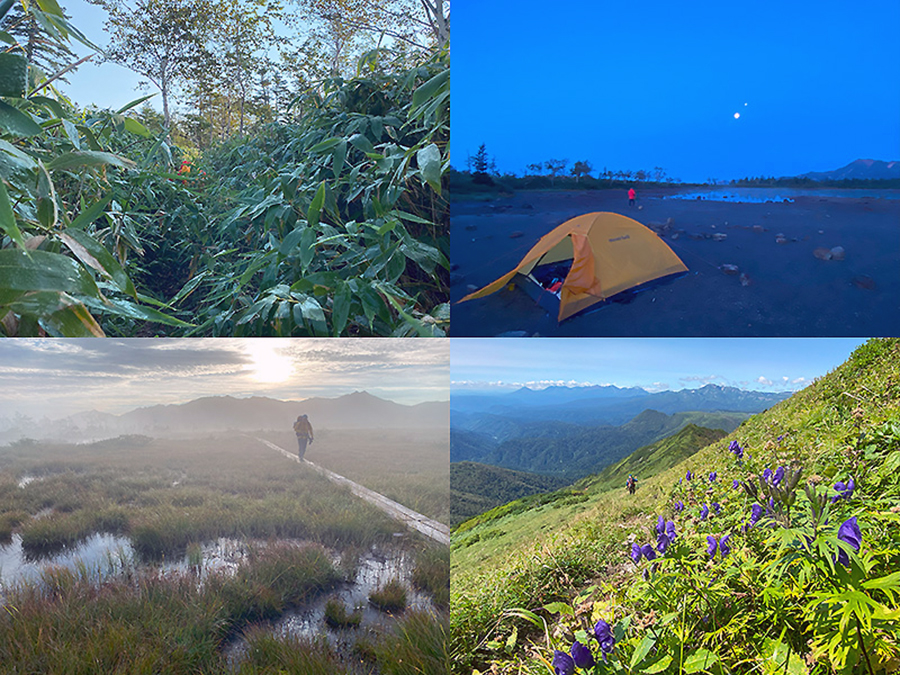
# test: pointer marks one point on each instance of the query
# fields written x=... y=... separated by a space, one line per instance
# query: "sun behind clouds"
x=269 y=365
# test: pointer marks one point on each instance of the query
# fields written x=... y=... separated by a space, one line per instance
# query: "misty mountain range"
x=359 y=410
x=597 y=405
x=865 y=169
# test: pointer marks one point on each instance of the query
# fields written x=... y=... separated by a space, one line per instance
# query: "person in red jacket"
x=304 y=432
x=631 y=195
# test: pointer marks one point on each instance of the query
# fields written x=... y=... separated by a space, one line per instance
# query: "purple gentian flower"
x=704 y=512
x=756 y=513
x=711 y=546
x=771 y=503
x=648 y=552
x=712 y=477
x=767 y=474
x=724 y=548
x=717 y=507
x=780 y=438
x=736 y=449
x=689 y=475
x=661 y=526
x=563 y=664
x=636 y=553
x=778 y=476
x=603 y=633
x=845 y=490
x=662 y=543
x=581 y=655
x=849 y=532
x=670 y=530
x=735 y=484
x=679 y=506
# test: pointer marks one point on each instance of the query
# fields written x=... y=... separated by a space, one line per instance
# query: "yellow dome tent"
x=610 y=253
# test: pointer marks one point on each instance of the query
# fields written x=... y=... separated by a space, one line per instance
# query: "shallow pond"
x=100 y=556
x=779 y=195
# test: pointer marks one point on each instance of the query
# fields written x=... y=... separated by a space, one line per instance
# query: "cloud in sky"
x=57 y=377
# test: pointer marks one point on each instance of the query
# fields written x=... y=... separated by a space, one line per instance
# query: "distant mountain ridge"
x=359 y=410
x=864 y=169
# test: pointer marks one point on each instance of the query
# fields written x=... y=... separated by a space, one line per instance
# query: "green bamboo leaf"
x=362 y=143
x=72 y=134
x=136 y=128
x=8 y=218
x=325 y=145
x=560 y=608
x=59 y=313
x=307 y=248
x=71 y=160
x=130 y=310
x=16 y=122
x=93 y=254
x=340 y=309
x=43 y=271
x=338 y=158
x=133 y=104
x=51 y=104
x=90 y=214
x=429 y=161
x=13 y=74
x=439 y=82
x=311 y=310
x=315 y=208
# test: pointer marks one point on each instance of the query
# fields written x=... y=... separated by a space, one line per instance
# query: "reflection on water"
x=99 y=556
x=779 y=195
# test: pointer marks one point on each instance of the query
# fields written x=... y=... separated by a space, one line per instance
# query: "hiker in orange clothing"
x=631 y=195
x=304 y=432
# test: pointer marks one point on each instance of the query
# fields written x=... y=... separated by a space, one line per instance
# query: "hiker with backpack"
x=631 y=484
x=304 y=432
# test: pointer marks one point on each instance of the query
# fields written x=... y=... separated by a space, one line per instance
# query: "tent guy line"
x=430 y=528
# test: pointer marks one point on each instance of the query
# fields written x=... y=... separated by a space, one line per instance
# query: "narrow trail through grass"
x=430 y=528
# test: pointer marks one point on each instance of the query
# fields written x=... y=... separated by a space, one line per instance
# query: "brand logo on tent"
x=624 y=236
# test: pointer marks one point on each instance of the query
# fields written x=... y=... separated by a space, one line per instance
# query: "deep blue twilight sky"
x=657 y=83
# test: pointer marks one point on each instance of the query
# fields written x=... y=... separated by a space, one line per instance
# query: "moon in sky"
x=737 y=115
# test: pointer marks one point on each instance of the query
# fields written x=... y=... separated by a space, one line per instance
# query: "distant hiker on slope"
x=631 y=195
x=631 y=484
x=304 y=432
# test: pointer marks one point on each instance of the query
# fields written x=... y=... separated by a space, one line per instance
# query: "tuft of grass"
x=337 y=616
x=418 y=646
x=269 y=654
x=432 y=573
x=389 y=598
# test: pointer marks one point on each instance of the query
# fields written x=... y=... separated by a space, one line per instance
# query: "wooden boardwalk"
x=430 y=528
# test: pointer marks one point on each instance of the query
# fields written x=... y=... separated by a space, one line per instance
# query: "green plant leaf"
x=16 y=122
x=90 y=214
x=43 y=271
x=642 y=650
x=89 y=251
x=13 y=74
x=362 y=143
x=136 y=128
x=340 y=308
x=8 y=218
x=429 y=161
x=59 y=313
x=560 y=608
x=659 y=665
x=700 y=660
x=426 y=91
x=71 y=160
x=315 y=207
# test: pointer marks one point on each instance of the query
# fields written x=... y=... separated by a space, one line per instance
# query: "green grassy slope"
x=476 y=488
x=772 y=606
x=650 y=460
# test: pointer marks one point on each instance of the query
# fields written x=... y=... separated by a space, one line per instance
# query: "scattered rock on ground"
x=456 y=279
x=516 y=234
x=780 y=239
x=745 y=280
x=729 y=269
x=822 y=253
x=864 y=282
x=758 y=228
x=720 y=236
x=471 y=227
x=471 y=288
x=837 y=253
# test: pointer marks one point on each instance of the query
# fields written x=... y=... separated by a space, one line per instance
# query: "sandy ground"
x=786 y=289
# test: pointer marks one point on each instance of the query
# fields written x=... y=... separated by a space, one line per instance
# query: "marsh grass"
x=391 y=597
x=168 y=494
x=432 y=573
x=269 y=654
x=411 y=466
x=337 y=615
x=417 y=646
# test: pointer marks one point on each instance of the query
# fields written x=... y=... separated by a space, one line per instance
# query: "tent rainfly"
x=609 y=253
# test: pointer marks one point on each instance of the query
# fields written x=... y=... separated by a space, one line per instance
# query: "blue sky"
x=763 y=364
x=58 y=377
x=657 y=83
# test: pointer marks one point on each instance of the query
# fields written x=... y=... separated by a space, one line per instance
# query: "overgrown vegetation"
x=391 y=597
x=725 y=580
x=330 y=221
